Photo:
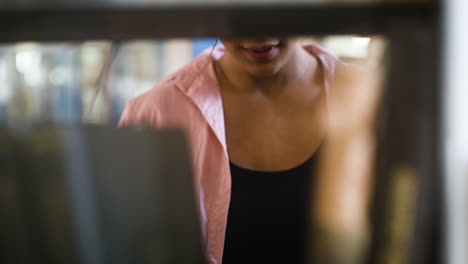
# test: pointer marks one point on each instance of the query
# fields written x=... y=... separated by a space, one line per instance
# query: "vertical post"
x=455 y=137
x=406 y=212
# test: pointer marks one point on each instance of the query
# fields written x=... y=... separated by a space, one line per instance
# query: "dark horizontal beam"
x=76 y=24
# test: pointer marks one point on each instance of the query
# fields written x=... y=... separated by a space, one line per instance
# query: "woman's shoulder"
x=330 y=62
x=168 y=95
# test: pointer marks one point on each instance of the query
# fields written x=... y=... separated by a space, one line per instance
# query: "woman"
x=255 y=116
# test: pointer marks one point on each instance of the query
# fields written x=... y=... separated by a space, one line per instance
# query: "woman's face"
x=260 y=57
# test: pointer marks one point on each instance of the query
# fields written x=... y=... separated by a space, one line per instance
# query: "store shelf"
x=410 y=126
x=75 y=23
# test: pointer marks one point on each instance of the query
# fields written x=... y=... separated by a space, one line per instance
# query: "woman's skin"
x=274 y=102
x=276 y=116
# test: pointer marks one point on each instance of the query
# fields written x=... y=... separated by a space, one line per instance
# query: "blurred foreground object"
x=455 y=133
x=340 y=210
x=97 y=196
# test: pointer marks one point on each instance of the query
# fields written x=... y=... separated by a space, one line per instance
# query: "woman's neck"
x=294 y=72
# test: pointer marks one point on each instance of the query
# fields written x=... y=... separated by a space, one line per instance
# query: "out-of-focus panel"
x=205 y=21
x=456 y=131
x=122 y=4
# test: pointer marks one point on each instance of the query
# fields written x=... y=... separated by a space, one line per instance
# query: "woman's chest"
x=265 y=137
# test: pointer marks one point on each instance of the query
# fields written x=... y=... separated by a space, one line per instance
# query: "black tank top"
x=268 y=214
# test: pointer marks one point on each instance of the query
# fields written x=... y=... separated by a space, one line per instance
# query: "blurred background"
x=91 y=81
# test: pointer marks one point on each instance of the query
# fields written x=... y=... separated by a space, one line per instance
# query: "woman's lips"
x=261 y=53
